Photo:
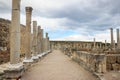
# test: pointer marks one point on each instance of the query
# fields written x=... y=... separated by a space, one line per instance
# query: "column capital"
x=28 y=9
x=117 y=29
x=34 y=23
x=39 y=27
x=111 y=28
x=46 y=35
x=16 y=5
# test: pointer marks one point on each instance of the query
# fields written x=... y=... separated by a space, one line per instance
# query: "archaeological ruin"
x=20 y=49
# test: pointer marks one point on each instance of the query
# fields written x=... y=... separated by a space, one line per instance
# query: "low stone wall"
x=92 y=62
x=97 y=62
x=113 y=62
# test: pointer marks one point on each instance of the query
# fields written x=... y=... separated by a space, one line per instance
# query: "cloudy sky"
x=80 y=20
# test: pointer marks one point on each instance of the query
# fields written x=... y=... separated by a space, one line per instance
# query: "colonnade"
x=36 y=46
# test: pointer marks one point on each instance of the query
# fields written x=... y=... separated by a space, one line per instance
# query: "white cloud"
x=6 y=16
x=100 y=37
x=88 y=18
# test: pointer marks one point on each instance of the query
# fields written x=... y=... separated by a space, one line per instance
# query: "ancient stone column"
x=35 y=41
x=117 y=36
x=31 y=43
x=49 y=44
x=15 y=67
x=39 y=39
x=34 y=38
x=118 y=39
x=43 y=44
x=105 y=44
x=94 y=43
x=100 y=46
x=28 y=34
x=15 y=33
x=111 y=30
x=113 y=44
x=42 y=41
x=46 y=43
x=95 y=46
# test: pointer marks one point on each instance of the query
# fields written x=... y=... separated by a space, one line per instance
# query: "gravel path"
x=57 y=66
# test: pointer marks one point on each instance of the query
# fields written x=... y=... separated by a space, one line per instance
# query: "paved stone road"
x=57 y=66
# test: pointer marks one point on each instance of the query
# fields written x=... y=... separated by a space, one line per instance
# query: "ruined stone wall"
x=77 y=45
x=4 y=40
x=99 y=60
x=91 y=62
x=113 y=62
x=95 y=62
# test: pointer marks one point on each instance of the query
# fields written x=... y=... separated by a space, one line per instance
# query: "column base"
x=35 y=58
x=40 y=55
x=44 y=53
x=27 y=63
x=14 y=71
x=28 y=60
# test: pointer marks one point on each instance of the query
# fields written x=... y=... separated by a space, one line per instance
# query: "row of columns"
x=113 y=47
x=34 y=45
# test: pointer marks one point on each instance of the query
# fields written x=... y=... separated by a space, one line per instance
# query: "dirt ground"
x=57 y=66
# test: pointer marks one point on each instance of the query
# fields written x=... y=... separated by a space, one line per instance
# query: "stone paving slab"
x=57 y=66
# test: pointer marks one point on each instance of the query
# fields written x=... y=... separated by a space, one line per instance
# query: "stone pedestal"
x=14 y=71
x=35 y=58
x=27 y=63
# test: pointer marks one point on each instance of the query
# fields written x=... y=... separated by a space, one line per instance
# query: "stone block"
x=111 y=59
x=118 y=59
x=115 y=67
x=109 y=67
x=13 y=74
